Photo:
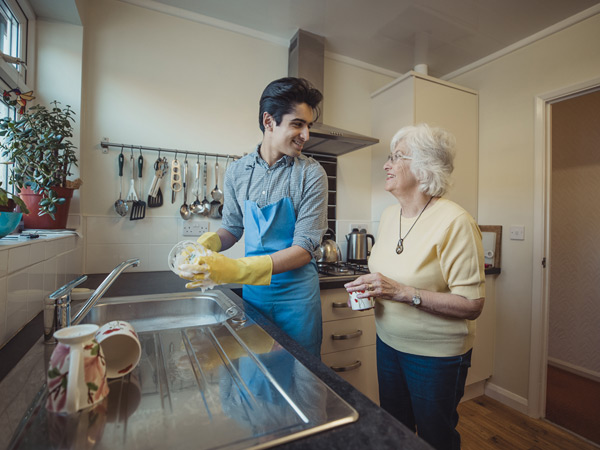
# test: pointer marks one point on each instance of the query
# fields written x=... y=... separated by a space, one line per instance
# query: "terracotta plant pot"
x=32 y=200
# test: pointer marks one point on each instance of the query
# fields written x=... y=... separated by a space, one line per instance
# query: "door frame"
x=540 y=301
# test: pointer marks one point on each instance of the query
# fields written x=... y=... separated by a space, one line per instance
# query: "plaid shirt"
x=301 y=178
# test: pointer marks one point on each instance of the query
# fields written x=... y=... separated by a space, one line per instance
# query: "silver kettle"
x=329 y=251
x=358 y=250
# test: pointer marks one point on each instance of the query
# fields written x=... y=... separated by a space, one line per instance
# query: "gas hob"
x=342 y=269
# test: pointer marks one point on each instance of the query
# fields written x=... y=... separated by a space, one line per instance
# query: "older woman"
x=427 y=275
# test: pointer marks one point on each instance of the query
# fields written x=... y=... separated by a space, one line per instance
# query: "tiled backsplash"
x=29 y=271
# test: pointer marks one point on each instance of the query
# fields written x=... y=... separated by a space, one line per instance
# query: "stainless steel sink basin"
x=203 y=382
x=165 y=311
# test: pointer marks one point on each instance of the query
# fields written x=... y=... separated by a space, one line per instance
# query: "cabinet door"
x=334 y=306
x=456 y=111
x=346 y=334
x=358 y=367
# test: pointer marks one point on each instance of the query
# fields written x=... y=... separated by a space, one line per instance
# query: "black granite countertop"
x=374 y=428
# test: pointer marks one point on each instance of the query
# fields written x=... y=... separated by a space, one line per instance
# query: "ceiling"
x=391 y=34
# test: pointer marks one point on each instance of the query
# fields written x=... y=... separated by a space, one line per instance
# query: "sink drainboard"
x=219 y=385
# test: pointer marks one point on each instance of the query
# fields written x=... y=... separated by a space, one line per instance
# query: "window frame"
x=11 y=77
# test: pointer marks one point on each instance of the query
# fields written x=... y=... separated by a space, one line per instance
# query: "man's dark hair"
x=281 y=96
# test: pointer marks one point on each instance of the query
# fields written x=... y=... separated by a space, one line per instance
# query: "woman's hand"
x=377 y=285
x=439 y=303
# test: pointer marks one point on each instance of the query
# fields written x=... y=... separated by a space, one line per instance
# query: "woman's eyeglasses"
x=394 y=157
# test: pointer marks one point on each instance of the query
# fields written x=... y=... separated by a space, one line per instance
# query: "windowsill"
x=14 y=240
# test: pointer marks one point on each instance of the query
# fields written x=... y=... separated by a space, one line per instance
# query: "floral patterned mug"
x=77 y=373
x=121 y=347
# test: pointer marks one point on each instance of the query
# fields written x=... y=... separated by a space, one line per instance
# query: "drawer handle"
x=341 y=337
x=353 y=366
x=339 y=305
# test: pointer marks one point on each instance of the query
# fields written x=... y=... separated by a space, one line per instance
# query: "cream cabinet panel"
x=417 y=98
x=334 y=306
x=482 y=360
x=349 y=342
x=345 y=334
x=358 y=367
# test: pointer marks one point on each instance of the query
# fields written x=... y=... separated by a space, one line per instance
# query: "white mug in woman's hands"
x=361 y=304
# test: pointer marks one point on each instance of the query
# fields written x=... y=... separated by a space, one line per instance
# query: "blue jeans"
x=423 y=392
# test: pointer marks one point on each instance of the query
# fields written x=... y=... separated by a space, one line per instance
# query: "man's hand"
x=211 y=241
x=219 y=269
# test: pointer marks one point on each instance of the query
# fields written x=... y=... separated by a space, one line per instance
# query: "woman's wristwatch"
x=416 y=299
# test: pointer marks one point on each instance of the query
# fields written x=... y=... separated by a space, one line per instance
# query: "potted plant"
x=38 y=144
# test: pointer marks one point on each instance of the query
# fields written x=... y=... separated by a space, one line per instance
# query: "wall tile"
x=74 y=266
x=121 y=230
x=104 y=258
x=164 y=230
x=61 y=271
x=3 y=263
x=52 y=248
x=18 y=257
x=157 y=260
x=35 y=292
x=16 y=305
x=50 y=283
x=3 y=301
x=37 y=251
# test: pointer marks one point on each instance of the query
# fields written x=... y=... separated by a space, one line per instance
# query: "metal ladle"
x=185 y=210
x=121 y=206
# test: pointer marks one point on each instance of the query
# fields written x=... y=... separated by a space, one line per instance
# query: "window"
x=9 y=31
x=16 y=39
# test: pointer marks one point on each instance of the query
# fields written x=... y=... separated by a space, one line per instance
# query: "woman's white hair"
x=432 y=153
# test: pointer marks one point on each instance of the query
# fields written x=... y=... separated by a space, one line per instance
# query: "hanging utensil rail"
x=106 y=145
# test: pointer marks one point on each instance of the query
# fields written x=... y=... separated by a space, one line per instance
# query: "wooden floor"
x=488 y=424
x=573 y=402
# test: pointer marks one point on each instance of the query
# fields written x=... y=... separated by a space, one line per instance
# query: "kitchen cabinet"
x=349 y=342
x=416 y=98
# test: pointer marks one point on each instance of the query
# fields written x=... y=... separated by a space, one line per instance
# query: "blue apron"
x=292 y=301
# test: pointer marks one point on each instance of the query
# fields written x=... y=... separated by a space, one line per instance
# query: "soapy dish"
x=188 y=252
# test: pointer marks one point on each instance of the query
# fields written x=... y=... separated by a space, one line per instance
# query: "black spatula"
x=138 y=208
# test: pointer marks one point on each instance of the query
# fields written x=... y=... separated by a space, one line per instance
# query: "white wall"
x=58 y=77
x=507 y=88
x=347 y=105
x=162 y=81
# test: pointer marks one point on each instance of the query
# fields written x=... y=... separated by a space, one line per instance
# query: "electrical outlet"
x=359 y=226
x=195 y=227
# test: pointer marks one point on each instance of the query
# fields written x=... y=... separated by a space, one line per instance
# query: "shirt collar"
x=284 y=161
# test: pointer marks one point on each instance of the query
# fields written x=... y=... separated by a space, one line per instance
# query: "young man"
x=278 y=197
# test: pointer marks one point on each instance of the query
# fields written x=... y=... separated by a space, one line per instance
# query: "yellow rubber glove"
x=211 y=241
x=219 y=269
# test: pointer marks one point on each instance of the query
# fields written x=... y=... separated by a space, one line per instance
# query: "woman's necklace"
x=400 y=245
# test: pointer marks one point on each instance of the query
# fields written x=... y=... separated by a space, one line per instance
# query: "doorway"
x=573 y=336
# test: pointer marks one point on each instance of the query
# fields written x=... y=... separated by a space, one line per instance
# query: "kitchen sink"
x=165 y=311
x=209 y=377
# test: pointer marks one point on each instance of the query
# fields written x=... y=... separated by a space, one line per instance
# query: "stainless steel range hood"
x=307 y=60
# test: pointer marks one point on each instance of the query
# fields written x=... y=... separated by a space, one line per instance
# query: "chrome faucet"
x=57 y=307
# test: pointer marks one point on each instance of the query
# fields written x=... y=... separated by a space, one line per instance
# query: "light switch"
x=517 y=233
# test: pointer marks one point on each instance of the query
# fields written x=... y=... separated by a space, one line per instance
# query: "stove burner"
x=340 y=269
